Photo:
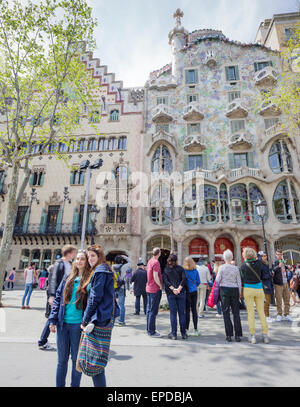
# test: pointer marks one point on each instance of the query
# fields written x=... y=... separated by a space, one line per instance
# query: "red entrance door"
x=248 y=242
x=222 y=244
x=198 y=247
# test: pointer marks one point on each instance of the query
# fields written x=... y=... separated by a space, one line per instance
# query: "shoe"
x=278 y=318
x=218 y=315
x=136 y=313
x=228 y=339
x=201 y=316
x=156 y=335
x=27 y=307
x=288 y=318
x=196 y=332
x=252 y=339
x=47 y=346
x=23 y=307
x=237 y=339
x=121 y=323
x=270 y=320
x=184 y=336
x=171 y=336
x=266 y=339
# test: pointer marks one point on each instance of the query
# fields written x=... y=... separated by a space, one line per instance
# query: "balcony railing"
x=266 y=76
x=231 y=175
x=51 y=229
x=240 y=140
x=271 y=133
x=244 y=172
x=192 y=112
x=161 y=114
x=269 y=109
x=236 y=110
x=194 y=143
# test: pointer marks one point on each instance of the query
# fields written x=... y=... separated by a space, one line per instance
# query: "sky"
x=132 y=35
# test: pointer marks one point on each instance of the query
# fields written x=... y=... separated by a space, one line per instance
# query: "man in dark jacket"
x=139 y=280
x=62 y=268
x=279 y=272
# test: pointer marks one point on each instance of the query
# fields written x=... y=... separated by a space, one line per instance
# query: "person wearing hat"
x=139 y=281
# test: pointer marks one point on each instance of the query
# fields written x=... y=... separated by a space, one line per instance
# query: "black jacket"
x=174 y=276
x=55 y=277
x=267 y=279
x=248 y=276
x=277 y=273
x=139 y=279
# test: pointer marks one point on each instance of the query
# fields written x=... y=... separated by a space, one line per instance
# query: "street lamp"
x=93 y=211
x=261 y=208
x=86 y=165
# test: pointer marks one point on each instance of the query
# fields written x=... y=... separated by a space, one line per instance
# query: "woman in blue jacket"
x=66 y=316
x=193 y=282
x=100 y=309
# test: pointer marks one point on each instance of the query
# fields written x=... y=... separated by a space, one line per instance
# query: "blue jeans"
x=153 y=300
x=138 y=303
x=45 y=334
x=67 y=340
x=28 y=291
x=177 y=304
x=121 y=303
x=219 y=309
x=99 y=380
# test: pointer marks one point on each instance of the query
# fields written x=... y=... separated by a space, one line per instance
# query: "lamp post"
x=261 y=207
x=93 y=211
x=86 y=165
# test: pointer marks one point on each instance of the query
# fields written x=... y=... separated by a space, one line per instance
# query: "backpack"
x=294 y=283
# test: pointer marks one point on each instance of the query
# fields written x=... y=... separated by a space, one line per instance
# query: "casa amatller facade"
x=196 y=115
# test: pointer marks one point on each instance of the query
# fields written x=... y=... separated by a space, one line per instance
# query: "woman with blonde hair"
x=193 y=282
x=252 y=276
x=229 y=280
x=66 y=316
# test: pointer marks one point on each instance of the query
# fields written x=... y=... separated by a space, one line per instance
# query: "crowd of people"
x=86 y=298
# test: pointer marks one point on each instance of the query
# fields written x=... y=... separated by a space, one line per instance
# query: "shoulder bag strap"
x=251 y=268
x=194 y=282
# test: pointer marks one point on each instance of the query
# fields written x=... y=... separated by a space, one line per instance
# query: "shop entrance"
x=164 y=243
x=110 y=257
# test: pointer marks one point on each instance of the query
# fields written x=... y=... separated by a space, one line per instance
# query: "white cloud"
x=132 y=36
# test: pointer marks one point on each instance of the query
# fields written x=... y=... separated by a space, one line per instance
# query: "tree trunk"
x=9 y=225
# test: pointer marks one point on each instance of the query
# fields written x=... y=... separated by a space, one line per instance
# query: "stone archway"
x=249 y=242
x=198 y=247
x=164 y=243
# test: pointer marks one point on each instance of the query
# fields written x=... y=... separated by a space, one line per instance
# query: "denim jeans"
x=45 y=334
x=99 y=380
x=67 y=340
x=28 y=291
x=177 y=305
x=219 y=309
x=153 y=300
x=121 y=303
x=138 y=303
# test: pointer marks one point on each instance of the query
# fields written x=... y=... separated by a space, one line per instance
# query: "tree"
x=43 y=85
x=286 y=95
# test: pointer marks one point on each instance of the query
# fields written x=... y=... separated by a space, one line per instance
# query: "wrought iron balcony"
x=192 y=112
x=194 y=143
x=161 y=114
x=266 y=76
x=240 y=140
x=236 y=110
x=58 y=229
x=269 y=109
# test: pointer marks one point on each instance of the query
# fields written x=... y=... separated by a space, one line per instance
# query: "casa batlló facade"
x=197 y=117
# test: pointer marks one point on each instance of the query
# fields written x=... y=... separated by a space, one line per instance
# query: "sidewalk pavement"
x=139 y=360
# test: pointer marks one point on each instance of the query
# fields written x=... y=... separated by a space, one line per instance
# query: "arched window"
x=191 y=211
x=282 y=204
x=62 y=148
x=210 y=210
x=102 y=144
x=161 y=203
x=82 y=145
x=121 y=173
x=73 y=146
x=92 y=145
x=114 y=115
x=224 y=203
x=278 y=153
x=112 y=143
x=255 y=194
x=239 y=203
x=296 y=202
x=122 y=143
x=162 y=161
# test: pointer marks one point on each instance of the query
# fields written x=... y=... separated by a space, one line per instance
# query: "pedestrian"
x=121 y=290
x=267 y=284
x=193 y=282
x=66 y=317
x=43 y=277
x=229 y=280
x=280 y=281
x=61 y=269
x=294 y=285
x=139 y=282
x=154 y=292
x=205 y=278
x=101 y=310
x=252 y=275
x=29 y=277
x=11 y=278
x=175 y=286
